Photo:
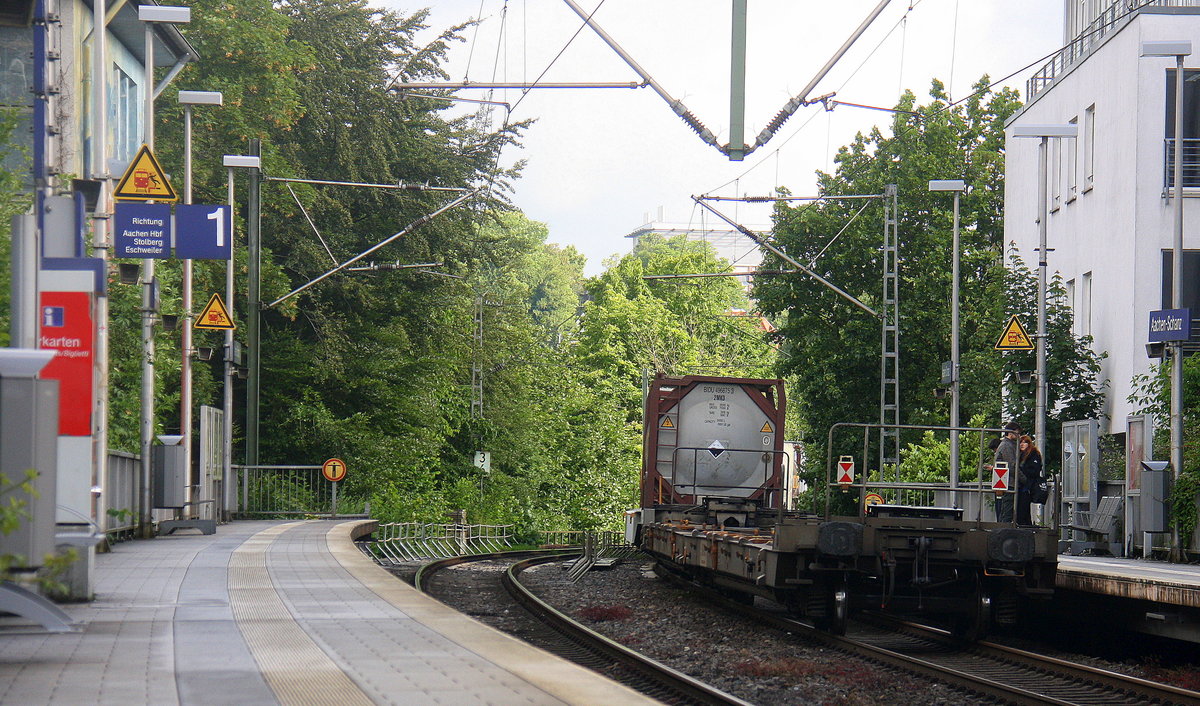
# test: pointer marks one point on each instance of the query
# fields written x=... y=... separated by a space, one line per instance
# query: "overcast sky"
x=601 y=160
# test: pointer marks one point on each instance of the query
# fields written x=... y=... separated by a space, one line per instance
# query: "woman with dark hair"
x=1031 y=475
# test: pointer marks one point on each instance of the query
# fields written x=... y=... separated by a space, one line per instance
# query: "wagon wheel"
x=975 y=624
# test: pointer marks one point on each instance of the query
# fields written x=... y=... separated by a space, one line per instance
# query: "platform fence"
x=400 y=542
x=290 y=491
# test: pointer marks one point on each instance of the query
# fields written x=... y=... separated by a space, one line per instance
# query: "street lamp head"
x=947 y=185
x=173 y=15
x=242 y=160
x=200 y=97
x=1170 y=48
x=1064 y=130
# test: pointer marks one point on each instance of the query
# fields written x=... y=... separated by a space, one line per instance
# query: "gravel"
x=631 y=605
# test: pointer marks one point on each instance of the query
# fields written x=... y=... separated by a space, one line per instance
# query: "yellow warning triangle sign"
x=766 y=428
x=1014 y=337
x=667 y=423
x=145 y=180
x=215 y=315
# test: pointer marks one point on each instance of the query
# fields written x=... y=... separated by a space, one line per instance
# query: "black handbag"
x=1039 y=492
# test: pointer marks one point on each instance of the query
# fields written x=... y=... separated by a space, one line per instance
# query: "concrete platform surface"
x=275 y=613
x=1157 y=581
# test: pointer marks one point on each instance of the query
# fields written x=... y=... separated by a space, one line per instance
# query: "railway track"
x=494 y=584
x=987 y=669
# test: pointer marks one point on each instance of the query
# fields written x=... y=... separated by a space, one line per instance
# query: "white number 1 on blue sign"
x=220 y=222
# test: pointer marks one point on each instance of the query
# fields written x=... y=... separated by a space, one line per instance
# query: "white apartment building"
x=744 y=255
x=1110 y=220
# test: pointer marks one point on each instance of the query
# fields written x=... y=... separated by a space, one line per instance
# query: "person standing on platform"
x=1008 y=452
x=1031 y=475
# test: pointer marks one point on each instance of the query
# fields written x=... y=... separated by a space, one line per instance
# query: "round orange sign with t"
x=334 y=470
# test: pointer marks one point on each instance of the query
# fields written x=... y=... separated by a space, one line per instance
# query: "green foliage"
x=1182 y=501
x=1152 y=395
x=929 y=460
x=15 y=198
x=1074 y=390
x=14 y=499
x=831 y=348
x=675 y=327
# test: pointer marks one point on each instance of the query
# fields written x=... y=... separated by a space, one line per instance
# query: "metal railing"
x=120 y=493
x=1191 y=163
x=287 y=491
x=970 y=496
x=399 y=542
x=1106 y=22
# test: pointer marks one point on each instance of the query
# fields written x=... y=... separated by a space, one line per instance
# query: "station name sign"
x=1170 y=325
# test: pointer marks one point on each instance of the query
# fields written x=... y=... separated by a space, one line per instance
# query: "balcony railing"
x=1108 y=21
x=1191 y=163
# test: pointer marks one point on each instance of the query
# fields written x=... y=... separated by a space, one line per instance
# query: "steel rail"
x=1159 y=693
x=673 y=679
x=1068 y=675
x=661 y=678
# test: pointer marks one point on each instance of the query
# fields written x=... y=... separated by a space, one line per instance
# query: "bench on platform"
x=205 y=526
x=1096 y=526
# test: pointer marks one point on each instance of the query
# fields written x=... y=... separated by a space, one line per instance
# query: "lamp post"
x=1043 y=133
x=1177 y=49
x=957 y=187
x=150 y=15
x=189 y=99
x=231 y=161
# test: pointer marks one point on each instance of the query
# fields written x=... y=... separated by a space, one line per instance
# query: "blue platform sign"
x=203 y=232
x=142 y=230
x=1170 y=325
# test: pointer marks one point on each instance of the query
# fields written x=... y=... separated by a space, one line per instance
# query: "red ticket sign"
x=66 y=327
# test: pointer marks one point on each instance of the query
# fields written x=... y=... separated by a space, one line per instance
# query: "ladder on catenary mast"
x=889 y=373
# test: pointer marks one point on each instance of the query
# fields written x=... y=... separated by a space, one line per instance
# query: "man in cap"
x=1009 y=452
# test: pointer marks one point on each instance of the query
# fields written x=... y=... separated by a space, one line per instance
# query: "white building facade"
x=1110 y=220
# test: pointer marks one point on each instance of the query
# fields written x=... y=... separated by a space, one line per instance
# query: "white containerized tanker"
x=713 y=507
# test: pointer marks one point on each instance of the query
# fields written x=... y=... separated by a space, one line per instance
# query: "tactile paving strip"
x=295 y=667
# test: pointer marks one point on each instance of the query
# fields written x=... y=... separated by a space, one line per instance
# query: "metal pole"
x=253 y=336
x=147 y=416
x=227 y=402
x=1177 y=297
x=185 y=364
x=23 y=326
x=99 y=171
x=737 y=83
x=1040 y=409
x=954 y=353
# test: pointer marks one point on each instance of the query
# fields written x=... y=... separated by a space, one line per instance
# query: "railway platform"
x=269 y=612
x=1152 y=597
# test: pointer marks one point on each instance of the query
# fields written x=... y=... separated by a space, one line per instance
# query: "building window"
x=126 y=112
x=1191 y=280
x=1191 y=130
x=1089 y=147
x=1056 y=153
x=1072 y=165
x=1071 y=304
x=1085 y=304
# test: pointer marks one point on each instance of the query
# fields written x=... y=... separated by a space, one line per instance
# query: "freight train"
x=715 y=507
